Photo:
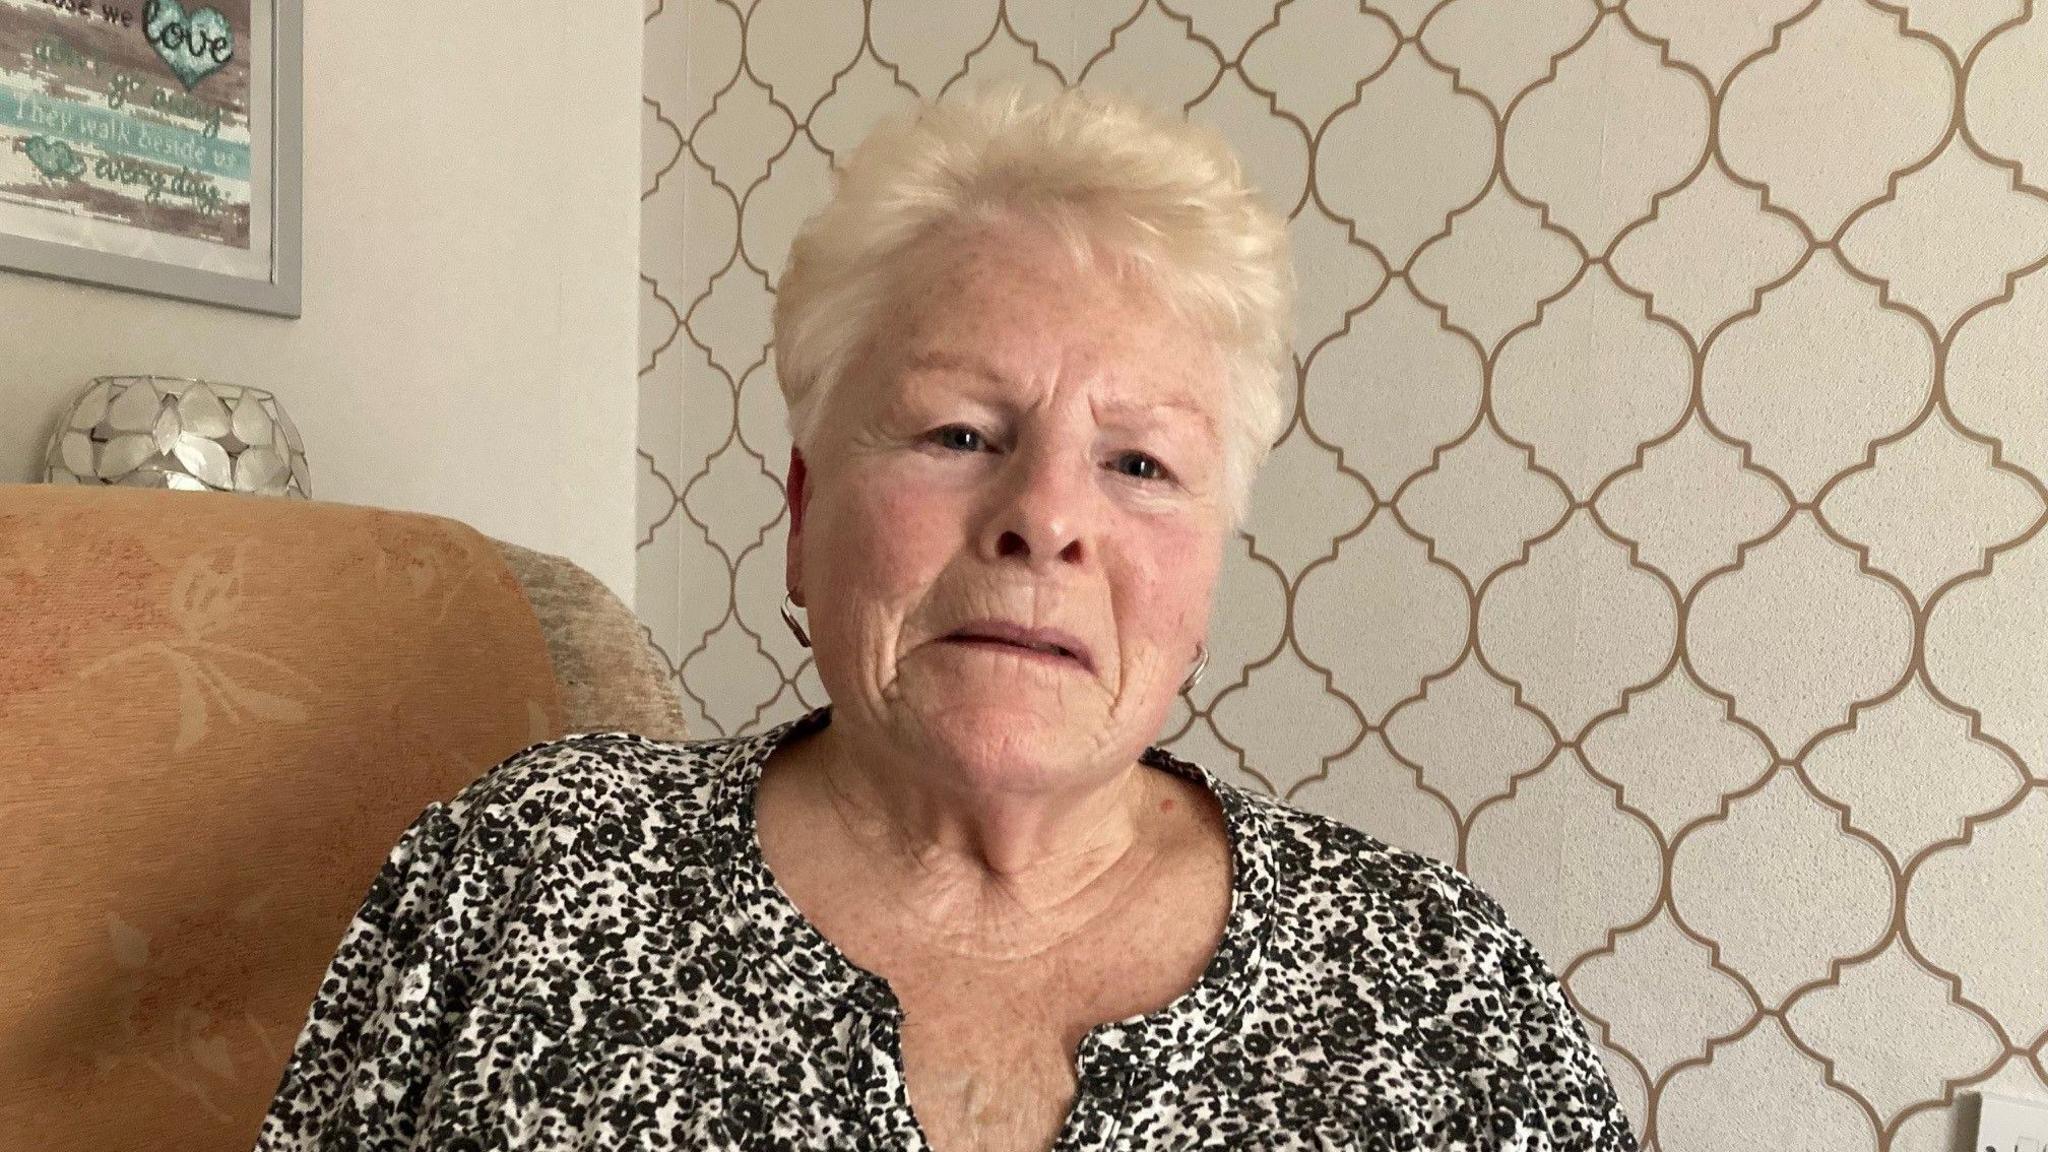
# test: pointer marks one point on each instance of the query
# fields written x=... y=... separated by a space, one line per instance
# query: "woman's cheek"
x=906 y=531
x=1178 y=572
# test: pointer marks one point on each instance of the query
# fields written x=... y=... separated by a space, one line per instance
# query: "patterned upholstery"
x=608 y=673
x=216 y=715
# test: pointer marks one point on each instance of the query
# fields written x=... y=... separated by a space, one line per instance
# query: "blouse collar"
x=1118 y=1048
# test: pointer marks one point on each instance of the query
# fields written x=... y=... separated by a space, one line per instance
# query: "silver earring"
x=789 y=618
x=1201 y=666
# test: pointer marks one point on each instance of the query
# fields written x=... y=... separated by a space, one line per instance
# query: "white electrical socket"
x=2010 y=1124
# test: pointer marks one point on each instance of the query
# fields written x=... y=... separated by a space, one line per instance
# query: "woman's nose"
x=1044 y=511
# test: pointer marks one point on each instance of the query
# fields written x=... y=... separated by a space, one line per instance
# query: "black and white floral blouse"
x=585 y=950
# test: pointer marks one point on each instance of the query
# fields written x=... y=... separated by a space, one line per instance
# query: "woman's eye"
x=958 y=437
x=1148 y=468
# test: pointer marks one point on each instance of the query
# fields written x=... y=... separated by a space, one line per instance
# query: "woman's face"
x=1025 y=444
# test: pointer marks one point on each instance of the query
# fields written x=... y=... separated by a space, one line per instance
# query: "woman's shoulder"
x=1397 y=959
x=555 y=790
x=1343 y=860
x=1402 y=957
x=1322 y=861
x=1350 y=895
x=592 y=759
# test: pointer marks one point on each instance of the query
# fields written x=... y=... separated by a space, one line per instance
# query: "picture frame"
x=155 y=146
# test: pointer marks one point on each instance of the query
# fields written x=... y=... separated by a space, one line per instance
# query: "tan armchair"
x=217 y=713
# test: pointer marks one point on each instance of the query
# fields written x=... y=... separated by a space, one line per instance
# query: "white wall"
x=471 y=246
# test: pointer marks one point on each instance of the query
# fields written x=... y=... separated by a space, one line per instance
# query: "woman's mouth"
x=1029 y=642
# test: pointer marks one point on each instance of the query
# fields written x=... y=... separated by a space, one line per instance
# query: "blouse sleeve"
x=369 y=1067
x=1563 y=1074
x=367 y=1060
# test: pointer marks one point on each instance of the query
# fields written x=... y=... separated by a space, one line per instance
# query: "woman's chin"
x=1004 y=730
x=984 y=683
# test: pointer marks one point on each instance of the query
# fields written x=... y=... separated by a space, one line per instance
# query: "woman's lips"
x=1007 y=648
x=1031 y=642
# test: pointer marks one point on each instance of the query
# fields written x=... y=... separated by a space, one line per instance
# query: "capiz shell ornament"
x=173 y=432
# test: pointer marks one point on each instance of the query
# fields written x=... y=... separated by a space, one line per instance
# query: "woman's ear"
x=794 y=490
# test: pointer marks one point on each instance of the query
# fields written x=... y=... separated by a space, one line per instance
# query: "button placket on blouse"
x=857 y=1029
x=875 y=1069
x=1105 y=1077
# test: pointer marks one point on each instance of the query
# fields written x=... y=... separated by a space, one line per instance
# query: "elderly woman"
x=1033 y=353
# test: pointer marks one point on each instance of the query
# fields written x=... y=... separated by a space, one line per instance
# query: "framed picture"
x=154 y=145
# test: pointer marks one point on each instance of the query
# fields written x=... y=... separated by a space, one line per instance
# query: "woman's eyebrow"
x=940 y=361
x=1126 y=408
x=951 y=362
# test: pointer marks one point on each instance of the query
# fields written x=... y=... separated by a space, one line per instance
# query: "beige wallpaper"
x=1658 y=536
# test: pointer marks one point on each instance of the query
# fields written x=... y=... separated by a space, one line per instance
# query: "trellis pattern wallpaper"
x=1658 y=535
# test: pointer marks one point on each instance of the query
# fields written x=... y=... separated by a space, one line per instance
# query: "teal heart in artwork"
x=53 y=158
x=195 y=46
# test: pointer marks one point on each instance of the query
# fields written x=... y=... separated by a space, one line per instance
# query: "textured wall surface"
x=1658 y=536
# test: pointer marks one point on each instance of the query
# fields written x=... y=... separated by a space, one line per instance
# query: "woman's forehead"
x=1165 y=394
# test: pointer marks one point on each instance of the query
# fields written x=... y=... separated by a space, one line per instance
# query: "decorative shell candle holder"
x=170 y=432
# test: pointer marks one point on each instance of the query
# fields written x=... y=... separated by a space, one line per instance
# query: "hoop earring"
x=789 y=618
x=1201 y=666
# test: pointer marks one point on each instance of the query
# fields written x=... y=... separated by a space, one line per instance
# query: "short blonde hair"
x=1160 y=195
